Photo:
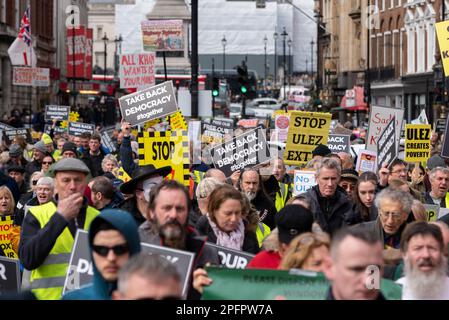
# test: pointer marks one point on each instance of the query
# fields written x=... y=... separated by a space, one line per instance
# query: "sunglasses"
x=47 y=162
x=118 y=250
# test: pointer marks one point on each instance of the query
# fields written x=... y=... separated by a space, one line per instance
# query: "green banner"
x=258 y=284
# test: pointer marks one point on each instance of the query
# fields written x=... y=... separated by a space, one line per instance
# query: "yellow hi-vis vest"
x=47 y=281
x=281 y=196
x=199 y=175
x=262 y=232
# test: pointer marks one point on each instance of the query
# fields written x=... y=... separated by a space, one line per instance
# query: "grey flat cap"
x=40 y=145
x=69 y=164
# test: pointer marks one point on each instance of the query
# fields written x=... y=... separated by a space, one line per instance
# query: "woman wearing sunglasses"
x=46 y=163
x=224 y=223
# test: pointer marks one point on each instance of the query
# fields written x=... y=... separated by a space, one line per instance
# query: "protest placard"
x=260 y=284
x=166 y=148
x=442 y=29
x=230 y=258
x=386 y=145
x=366 y=161
x=9 y=276
x=248 y=123
x=137 y=70
x=432 y=211
x=417 y=142
x=11 y=133
x=281 y=124
x=445 y=148
x=5 y=237
x=177 y=121
x=306 y=131
x=379 y=118
x=215 y=131
x=152 y=103
x=107 y=141
x=77 y=128
x=303 y=181
x=80 y=269
x=246 y=150
x=162 y=35
x=60 y=113
x=338 y=143
x=182 y=260
x=439 y=125
x=47 y=129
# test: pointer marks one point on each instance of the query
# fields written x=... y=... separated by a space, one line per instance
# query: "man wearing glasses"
x=113 y=239
x=48 y=230
x=398 y=170
x=394 y=208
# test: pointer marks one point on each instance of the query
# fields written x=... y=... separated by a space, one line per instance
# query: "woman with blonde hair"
x=307 y=251
x=7 y=210
x=109 y=163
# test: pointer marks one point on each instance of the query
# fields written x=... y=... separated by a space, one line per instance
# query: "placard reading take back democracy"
x=417 y=142
x=77 y=128
x=305 y=132
x=152 y=103
x=60 y=113
x=243 y=151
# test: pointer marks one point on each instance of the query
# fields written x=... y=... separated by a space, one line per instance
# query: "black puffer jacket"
x=331 y=213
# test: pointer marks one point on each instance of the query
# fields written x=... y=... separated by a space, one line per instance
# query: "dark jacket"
x=32 y=167
x=428 y=200
x=250 y=243
x=100 y=289
x=193 y=243
x=130 y=205
x=11 y=184
x=28 y=200
x=330 y=213
x=375 y=227
x=116 y=202
x=95 y=162
x=265 y=208
x=36 y=242
x=372 y=214
x=126 y=156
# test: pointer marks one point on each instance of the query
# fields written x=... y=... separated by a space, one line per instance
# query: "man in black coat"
x=250 y=183
x=328 y=202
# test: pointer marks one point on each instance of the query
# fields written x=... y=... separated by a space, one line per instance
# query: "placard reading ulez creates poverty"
x=152 y=103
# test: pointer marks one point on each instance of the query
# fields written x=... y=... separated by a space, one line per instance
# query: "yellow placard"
x=442 y=29
x=432 y=212
x=417 y=142
x=73 y=117
x=121 y=174
x=305 y=132
x=166 y=148
x=5 y=237
x=177 y=121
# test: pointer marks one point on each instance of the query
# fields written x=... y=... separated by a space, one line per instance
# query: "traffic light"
x=367 y=93
x=243 y=77
x=215 y=87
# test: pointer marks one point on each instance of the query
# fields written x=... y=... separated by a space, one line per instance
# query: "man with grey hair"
x=328 y=201
x=425 y=264
x=439 y=182
x=394 y=207
x=148 y=277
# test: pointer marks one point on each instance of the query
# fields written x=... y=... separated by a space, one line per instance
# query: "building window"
x=411 y=51
x=99 y=32
x=3 y=11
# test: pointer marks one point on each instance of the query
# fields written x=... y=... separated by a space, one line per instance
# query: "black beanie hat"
x=321 y=150
x=292 y=220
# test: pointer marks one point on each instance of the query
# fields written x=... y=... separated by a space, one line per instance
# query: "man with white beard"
x=250 y=184
x=425 y=265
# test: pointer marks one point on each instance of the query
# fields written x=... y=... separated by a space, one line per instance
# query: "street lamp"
x=311 y=62
x=118 y=44
x=284 y=35
x=275 y=36
x=224 y=42
x=289 y=43
x=105 y=39
x=265 y=41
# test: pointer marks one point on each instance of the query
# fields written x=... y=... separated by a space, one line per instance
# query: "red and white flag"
x=21 y=51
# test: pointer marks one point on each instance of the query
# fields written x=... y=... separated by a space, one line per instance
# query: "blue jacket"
x=100 y=289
